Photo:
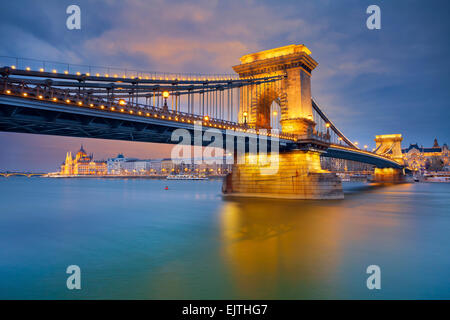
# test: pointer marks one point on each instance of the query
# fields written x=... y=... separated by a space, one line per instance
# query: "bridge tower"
x=293 y=94
x=389 y=145
x=299 y=174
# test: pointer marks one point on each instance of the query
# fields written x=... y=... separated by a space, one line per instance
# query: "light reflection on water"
x=133 y=239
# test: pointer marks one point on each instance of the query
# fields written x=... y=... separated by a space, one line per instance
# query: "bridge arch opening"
x=275 y=115
x=268 y=109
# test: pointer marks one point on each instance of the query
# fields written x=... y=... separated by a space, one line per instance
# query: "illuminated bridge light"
x=66 y=72
x=54 y=70
x=68 y=101
x=80 y=103
x=112 y=108
x=13 y=67
x=102 y=107
x=131 y=111
x=122 y=110
x=97 y=74
x=88 y=74
x=122 y=102
x=54 y=99
x=8 y=91
x=41 y=97
x=106 y=75
x=78 y=73
x=41 y=69
x=27 y=68
x=25 y=94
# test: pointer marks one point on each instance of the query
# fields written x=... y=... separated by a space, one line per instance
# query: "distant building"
x=435 y=158
x=82 y=164
x=114 y=165
x=121 y=165
x=167 y=166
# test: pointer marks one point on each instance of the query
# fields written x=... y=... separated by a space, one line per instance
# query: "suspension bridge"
x=269 y=97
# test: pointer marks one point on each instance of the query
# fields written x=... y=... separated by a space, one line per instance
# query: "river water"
x=133 y=239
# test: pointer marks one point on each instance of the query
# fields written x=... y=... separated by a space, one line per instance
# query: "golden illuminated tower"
x=292 y=174
x=293 y=93
x=68 y=164
x=390 y=145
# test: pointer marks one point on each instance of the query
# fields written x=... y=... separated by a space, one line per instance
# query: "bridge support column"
x=296 y=175
x=388 y=175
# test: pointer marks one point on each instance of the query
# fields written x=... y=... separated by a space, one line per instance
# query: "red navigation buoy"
x=166 y=188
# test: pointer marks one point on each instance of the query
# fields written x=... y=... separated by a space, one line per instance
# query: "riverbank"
x=155 y=177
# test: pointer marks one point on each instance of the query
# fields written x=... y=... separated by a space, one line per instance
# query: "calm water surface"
x=132 y=239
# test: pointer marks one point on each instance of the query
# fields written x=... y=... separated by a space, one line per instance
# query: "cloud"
x=205 y=36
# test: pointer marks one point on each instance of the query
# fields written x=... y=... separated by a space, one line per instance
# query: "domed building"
x=82 y=164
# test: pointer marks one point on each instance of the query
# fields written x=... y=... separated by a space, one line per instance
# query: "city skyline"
x=367 y=81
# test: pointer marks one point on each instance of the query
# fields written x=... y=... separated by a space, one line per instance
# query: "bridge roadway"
x=24 y=174
x=40 y=115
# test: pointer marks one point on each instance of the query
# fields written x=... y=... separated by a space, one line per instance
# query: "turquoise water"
x=132 y=239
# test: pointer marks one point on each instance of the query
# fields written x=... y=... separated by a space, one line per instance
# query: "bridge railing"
x=118 y=72
x=59 y=96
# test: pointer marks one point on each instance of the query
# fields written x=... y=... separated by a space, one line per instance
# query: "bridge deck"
x=29 y=111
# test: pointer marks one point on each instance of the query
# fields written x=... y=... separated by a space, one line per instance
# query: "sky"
x=369 y=82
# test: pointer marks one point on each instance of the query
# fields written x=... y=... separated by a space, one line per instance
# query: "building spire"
x=435 y=145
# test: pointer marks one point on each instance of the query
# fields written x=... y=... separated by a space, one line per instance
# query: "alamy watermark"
x=74 y=280
x=374 y=20
x=374 y=280
x=227 y=147
x=74 y=19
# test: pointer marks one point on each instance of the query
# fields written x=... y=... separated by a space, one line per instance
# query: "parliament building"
x=82 y=164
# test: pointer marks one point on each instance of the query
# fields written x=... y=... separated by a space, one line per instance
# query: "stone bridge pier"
x=293 y=174
x=388 y=175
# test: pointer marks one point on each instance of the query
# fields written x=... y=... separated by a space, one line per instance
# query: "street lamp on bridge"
x=165 y=95
x=245 y=114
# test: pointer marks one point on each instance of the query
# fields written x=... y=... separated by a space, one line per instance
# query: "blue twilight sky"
x=393 y=80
